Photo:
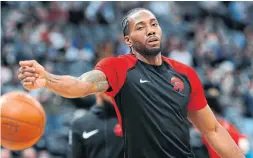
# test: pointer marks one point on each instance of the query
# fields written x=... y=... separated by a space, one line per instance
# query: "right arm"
x=108 y=73
x=71 y=87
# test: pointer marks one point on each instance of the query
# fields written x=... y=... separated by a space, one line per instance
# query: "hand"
x=32 y=74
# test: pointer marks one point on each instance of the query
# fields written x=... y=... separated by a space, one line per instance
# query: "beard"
x=143 y=50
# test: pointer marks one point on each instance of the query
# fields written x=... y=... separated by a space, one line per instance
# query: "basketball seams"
x=20 y=121
x=41 y=114
x=40 y=129
x=27 y=102
x=11 y=140
x=26 y=125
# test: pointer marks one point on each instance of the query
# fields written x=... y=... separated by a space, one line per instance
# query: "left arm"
x=217 y=137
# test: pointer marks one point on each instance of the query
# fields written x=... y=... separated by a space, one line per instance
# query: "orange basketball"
x=22 y=120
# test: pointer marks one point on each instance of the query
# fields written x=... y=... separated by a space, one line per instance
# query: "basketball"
x=23 y=120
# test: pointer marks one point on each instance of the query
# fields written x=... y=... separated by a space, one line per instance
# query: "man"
x=97 y=134
x=153 y=95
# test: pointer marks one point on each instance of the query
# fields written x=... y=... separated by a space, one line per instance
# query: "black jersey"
x=152 y=104
x=95 y=135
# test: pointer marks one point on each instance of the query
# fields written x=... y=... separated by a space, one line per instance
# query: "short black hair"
x=125 y=21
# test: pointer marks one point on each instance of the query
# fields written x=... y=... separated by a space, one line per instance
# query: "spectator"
x=178 y=51
x=5 y=153
x=29 y=153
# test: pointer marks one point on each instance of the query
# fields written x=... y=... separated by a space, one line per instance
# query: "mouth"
x=153 y=40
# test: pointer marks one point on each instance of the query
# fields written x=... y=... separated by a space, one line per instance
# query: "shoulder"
x=123 y=61
x=180 y=67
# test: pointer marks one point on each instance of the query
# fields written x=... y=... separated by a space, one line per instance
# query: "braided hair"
x=125 y=21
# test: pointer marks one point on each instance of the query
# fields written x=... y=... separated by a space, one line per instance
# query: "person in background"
x=97 y=133
x=178 y=51
x=29 y=153
x=5 y=153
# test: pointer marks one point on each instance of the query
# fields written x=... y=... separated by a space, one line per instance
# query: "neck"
x=152 y=60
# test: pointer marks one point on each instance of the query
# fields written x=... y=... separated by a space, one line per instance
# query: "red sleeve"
x=197 y=98
x=115 y=71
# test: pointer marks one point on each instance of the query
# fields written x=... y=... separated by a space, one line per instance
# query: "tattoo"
x=53 y=78
x=97 y=79
x=89 y=83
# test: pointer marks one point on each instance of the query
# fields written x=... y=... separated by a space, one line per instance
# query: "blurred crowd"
x=216 y=38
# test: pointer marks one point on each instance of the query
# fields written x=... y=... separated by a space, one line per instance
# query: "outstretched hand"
x=32 y=74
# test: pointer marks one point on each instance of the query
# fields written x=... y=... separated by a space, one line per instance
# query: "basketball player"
x=153 y=96
x=97 y=134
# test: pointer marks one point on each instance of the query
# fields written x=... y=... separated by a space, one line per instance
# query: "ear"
x=128 y=41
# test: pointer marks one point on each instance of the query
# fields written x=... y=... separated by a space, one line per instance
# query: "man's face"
x=144 y=33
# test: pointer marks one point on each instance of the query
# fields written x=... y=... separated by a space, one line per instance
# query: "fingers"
x=28 y=82
x=26 y=69
x=22 y=76
x=29 y=79
x=27 y=63
x=28 y=85
x=31 y=66
x=29 y=74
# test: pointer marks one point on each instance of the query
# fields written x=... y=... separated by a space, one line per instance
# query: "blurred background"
x=216 y=38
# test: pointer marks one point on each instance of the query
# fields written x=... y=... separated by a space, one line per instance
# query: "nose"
x=150 y=31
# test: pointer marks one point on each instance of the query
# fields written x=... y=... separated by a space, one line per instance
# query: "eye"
x=139 y=27
x=154 y=24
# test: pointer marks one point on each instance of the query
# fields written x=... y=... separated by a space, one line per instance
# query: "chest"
x=158 y=85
